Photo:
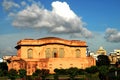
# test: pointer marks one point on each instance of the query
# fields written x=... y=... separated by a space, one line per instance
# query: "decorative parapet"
x=51 y=40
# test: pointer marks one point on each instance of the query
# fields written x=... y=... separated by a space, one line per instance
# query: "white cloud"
x=61 y=19
x=63 y=10
x=112 y=35
x=8 y=4
x=23 y=3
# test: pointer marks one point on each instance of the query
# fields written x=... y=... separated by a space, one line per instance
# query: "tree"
x=44 y=73
x=37 y=73
x=102 y=60
x=22 y=73
x=91 y=72
x=81 y=71
x=72 y=72
x=103 y=71
x=12 y=74
x=56 y=75
x=92 y=69
x=3 y=66
x=59 y=72
x=3 y=69
x=41 y=73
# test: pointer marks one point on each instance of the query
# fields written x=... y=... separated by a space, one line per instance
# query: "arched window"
x=55 y=55
x=77 y=53
x=30 y=53
x=61 y=52
x=47 y=53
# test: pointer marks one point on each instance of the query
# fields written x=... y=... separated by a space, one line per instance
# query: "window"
x=39 y=53
x=30 y=53
x=77 y=53
x=48 y=55
x=55 y=55
x=61 y=52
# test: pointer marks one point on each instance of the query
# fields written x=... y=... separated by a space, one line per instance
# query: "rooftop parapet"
x=51 y=40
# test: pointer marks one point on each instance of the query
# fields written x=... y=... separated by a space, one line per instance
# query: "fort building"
x=50 y=53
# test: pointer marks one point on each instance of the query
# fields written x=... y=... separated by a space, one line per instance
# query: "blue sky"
x=95 y=21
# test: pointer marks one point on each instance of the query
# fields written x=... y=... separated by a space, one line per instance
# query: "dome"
x=101 y=48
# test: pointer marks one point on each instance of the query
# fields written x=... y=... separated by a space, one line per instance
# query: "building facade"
x=50 y=53
x=114 y=56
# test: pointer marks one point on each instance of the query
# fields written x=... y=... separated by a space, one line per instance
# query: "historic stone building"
x=101 y=51
x=50 y=53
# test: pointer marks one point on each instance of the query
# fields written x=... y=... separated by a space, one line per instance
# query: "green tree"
x=22 y=73
x=102 y=60
x=81 y=71
x=59 y=72
x=56 y=75
x=91 y=73
x=3 y=69
x=92 y=69
x=37 y=73
x=3 y=73
x=45 y=73
x=3 y=66
x=72 y=72
x=103 y=72
x=12 y=74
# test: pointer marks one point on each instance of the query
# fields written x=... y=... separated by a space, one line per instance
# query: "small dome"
x=101 y=48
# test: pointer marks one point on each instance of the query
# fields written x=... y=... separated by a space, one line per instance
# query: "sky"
x=95 y=21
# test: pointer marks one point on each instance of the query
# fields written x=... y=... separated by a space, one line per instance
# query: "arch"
x=77 y=53
x=47 y=53
x=30 y=53
x=55 y=54
x=61 y=52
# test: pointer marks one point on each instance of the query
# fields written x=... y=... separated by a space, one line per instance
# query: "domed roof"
x=101 y=48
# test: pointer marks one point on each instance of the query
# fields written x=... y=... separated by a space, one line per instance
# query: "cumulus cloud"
x=8 y=4
x=112 y=35
x=61 y=19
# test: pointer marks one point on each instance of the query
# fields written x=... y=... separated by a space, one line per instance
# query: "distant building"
x=1 y=60
x=50 y=53
x=92 y=54
x=115 y=56
x=5 y=58
x=101 y=51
